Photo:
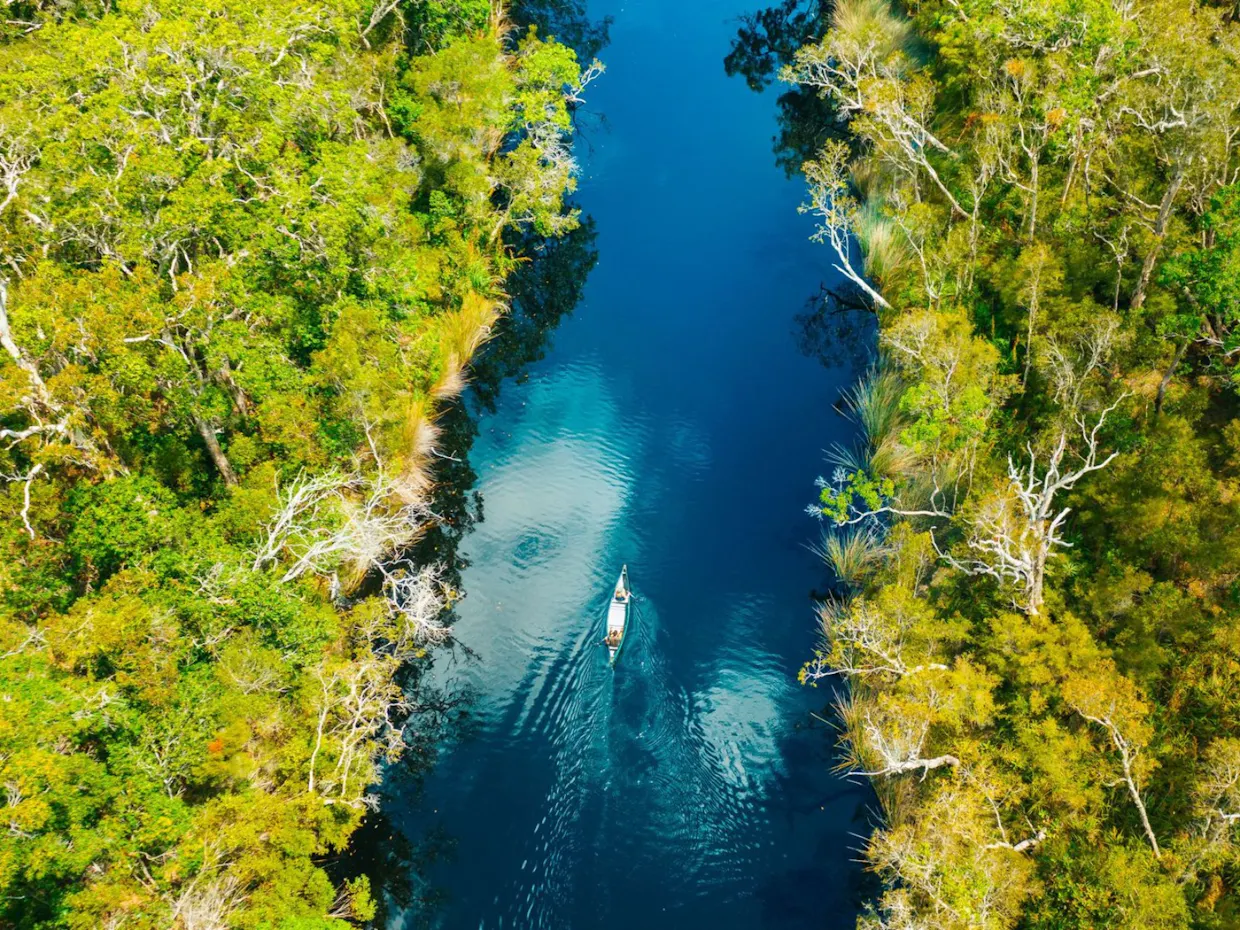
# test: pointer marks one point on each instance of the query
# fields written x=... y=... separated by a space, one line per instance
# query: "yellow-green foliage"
x=243 y=247
x=1044 y=657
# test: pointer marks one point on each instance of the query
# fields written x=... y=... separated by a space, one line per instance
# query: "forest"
x=1036 y=634
x=246 y=253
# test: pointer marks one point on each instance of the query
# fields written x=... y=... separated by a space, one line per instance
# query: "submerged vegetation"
x=246 y=251
x=1038 y=538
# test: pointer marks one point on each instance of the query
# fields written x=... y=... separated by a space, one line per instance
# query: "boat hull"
x=618 y=616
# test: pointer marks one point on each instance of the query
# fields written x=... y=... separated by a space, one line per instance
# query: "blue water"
x=675 y=426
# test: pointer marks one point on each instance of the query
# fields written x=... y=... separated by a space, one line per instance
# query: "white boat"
x=618 y=615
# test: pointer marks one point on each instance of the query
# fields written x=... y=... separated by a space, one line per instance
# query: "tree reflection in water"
x=567 y=21
x=837 y=325
x=543 y=291
x=766 y=41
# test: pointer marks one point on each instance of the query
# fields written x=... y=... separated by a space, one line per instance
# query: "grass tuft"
x=860 y=23
x=874 y=403
x=461 y=334
x=883 y=244
x=851 y=554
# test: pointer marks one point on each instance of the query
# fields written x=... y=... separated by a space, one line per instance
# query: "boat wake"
x=648 y=792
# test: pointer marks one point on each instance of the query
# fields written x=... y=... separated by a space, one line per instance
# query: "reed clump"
x=851 y=554
x=874 y=404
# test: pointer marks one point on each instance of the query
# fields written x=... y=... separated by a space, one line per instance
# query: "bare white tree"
x=377 y=15
x=1073 y=365
x=1218 y=790
x=18 y=355
x=534 y=185
x=836 y=211
x=27 y=480
x=50 y=421
x=361 y=709
x=1014 y=532
x=358 y=708
x=209 y=899
x=592 y=73
x=1109 y=700
x=888 y=739
x=940 y=867
x=415 y=598
x=16 y=158
x=861 y=66
x=896 y=912
x=1128 y=752
x=333 y=521
x=866 y=640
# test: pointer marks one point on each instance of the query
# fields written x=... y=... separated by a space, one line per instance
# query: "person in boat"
x=612 y=639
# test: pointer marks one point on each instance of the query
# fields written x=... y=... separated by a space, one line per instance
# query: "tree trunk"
x=1033 y=316
x=18 y=356
x=1160 y=232
x=1033 y=209
x=1136 y=798
x=1037 y=581
x=925 y=766
x=1166 y=379
x=223 y=466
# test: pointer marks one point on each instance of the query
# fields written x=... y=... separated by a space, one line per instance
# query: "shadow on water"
x=765 y=41
x=542 y=292
x=566 y=20
x=837 y=326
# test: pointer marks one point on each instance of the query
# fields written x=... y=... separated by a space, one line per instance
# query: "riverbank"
x=1038 y=534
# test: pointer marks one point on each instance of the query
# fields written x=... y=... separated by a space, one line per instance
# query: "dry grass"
x=869 y=178
x=871 y=23
x=883 y=244
x=420 y=435
x=851 y=554
x=461 y=334
x=892 y=459
x=829 y=613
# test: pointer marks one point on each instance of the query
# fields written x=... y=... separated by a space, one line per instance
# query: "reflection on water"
x=766 y=39
x=542 y=292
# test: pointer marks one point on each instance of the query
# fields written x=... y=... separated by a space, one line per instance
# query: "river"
x=675 y=426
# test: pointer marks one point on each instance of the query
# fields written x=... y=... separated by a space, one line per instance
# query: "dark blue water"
x=674 y=426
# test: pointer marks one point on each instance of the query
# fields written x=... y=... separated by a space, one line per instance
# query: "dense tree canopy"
x=245 y=248
x=1038 y=537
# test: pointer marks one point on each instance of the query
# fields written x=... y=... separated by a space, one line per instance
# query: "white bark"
x=1013 y=535
x=360 y=705
x=850 y=73
x=15 y=351
x=835 y=210
x=334 y=521
x=1128 y=754
x=897 y=744
x=866 y=642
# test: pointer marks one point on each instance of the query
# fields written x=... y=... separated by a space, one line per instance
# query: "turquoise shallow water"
x=675 y=426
